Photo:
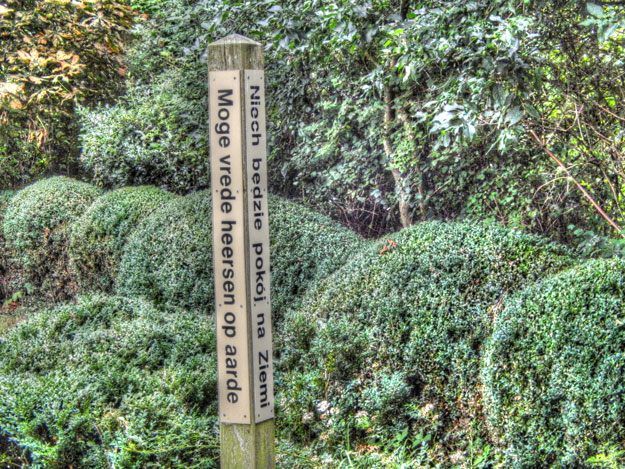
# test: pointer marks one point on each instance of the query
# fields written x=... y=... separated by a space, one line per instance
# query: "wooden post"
x=238 y=143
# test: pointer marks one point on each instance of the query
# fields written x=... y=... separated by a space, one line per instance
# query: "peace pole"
x=238 y=147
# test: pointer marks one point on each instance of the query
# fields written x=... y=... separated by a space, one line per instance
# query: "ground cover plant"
x=377 y=366
x=37 y=225
x=554 y=369
x=391 y=343
x=109 y=382
x=169 y=257
x=98 y=236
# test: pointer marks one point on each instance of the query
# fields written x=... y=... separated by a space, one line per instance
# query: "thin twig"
x=579 y=186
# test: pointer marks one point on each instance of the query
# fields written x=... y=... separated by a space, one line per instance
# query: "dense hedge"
x=5 y=255
x=98 y=236
x=305 y=247
x=169 y=257
x=554 y=372
x=392 y=341
x=36 y=226
x=156 y=135
x=110 y=382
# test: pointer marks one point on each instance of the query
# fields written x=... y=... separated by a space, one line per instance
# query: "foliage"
x=416 y=83
x=445 y=97
x=156 y=134
x=611 y=457
x=5 y=255
x=56 y=54
x=110 y=381
x=553 y=370
x=392 y=341
x=98 y=236
x=306 y=247
x=37 y=225
x=169 y=256
x=384 y=112
x=575 y=108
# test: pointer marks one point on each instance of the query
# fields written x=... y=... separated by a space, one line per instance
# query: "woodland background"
x=381 y=112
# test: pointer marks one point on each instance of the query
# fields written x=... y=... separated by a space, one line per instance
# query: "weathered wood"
x=235 y=52
x=243 y=445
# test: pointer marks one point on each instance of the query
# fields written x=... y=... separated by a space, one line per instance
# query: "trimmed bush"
x=36 y=226
x=98 y=236
x=5 y=198
x=156 y=134
x=554 y=370
x=391 y=342
x=5 y=255
x=305 y=247
x=110 y=382
x=169 y=257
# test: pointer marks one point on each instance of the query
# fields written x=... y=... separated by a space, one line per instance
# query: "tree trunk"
x=401 y=182
x=421 y=189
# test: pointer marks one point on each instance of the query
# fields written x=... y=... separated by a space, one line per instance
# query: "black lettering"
x=263 y=392
x=231 y=362
x=222 y=96
x=222 y=128
x=226 y=207
x=233 y=384
x=255 y=92
x=229 y=225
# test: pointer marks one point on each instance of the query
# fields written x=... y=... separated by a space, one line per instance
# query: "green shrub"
x=305 y=247
x=111 y=382
x=5 y=198
x=98 y=236
x=392 y=341
x=155 y=135
x=36 y=227
x=169 y=257
x=554 y=370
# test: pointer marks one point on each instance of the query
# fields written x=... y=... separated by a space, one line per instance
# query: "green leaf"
x=595 y=10
x=605 y=31
x=514 y=115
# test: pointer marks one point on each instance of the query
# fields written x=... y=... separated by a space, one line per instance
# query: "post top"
x=234 y=39
x=235 y=52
